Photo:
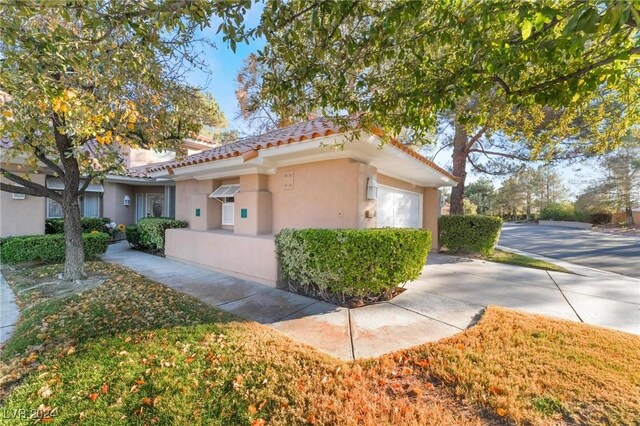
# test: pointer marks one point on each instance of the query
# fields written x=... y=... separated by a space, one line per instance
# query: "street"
x=597 y=250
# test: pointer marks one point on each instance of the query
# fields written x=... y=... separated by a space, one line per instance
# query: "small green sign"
x=197 y=212
x=243 y=213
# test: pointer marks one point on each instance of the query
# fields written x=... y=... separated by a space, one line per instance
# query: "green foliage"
x=559 y=211
x=346 y=263
x=89 y=224
x=470 y=208
x=133 y=236
x=470 y=234
x=403 y=63
x=482 y=194
x=48 y=248
x=151 y=231
x=547 y=405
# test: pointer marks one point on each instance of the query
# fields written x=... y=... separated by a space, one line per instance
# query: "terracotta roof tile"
x=311 y=129
x=315 y=128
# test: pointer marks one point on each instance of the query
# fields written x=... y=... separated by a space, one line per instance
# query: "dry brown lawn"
x=131 y=351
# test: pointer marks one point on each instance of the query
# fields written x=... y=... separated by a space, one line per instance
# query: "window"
x=226 y=195
x=228 y=211
x=54 y=210
x=90 y=205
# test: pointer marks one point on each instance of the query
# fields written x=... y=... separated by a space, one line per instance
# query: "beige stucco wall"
x=324 y=194
x=247 y=257
x=22 y=217
x=113 y=203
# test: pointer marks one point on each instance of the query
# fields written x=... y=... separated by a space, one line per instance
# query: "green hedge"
x=470 y=234
x=133 y=236
x=559 y=211
x=347 y=263
x=151 y=231
x=48 y=248
x=89 y=224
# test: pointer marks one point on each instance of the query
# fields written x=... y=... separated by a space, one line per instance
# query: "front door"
x=155 y=205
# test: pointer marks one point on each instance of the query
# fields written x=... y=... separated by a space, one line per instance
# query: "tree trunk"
x=74 y=253
x=629 y=211
x=459 y=158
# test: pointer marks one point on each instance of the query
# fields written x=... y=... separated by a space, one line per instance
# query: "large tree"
x=82 y=79
x=403 y=64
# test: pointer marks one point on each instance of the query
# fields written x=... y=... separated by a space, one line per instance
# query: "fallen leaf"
x=93 y=396
x=311 y=419
x=189 y=359
x=105 y=388
x=252 y=409
x=495 y=390
x=501 y=412
x=147 y=401
x=127 y=339
x=258 y=422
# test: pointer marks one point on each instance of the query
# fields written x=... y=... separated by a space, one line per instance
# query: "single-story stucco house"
x=314 y=174
x=122 y=198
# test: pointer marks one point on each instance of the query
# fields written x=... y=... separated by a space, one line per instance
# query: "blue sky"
x=222 y=67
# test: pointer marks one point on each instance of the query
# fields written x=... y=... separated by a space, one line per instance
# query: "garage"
x=398 y=208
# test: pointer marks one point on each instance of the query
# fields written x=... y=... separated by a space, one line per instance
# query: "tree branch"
x=28 y=187
x=576 y=73
x=500 y=154
x=475 y=137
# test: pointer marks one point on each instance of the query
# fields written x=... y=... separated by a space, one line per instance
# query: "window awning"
x=57 y=185
x=225 y=191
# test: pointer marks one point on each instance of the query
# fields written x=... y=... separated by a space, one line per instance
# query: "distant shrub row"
x=48 y=248
x=568 y=212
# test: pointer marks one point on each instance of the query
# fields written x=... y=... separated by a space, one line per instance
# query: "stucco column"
x=253 y=206
x=431 y=214
x=204 y=213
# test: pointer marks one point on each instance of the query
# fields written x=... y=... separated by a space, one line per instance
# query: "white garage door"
x=399 y=209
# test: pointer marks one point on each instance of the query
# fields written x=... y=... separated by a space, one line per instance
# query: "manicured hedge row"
x=149 y=232
x=89 y=224
x=470 y=234
x=48 y=248
x=350 y=263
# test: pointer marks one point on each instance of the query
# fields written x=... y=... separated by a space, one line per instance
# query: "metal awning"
x=57 y=185
x=225 y=191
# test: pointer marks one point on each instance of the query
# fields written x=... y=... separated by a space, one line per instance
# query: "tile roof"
x=311 y=129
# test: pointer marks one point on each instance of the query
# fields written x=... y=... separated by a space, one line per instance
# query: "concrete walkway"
x=8 y=311
x=449 y=296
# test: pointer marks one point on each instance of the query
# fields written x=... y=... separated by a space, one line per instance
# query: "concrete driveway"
x=612 y=253
x=449 y=296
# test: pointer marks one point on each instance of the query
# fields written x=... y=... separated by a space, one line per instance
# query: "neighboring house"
x=122 y=198
x=310 y=175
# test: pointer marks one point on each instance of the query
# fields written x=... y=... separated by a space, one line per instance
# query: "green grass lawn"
x=136 y=352
x=502 y=256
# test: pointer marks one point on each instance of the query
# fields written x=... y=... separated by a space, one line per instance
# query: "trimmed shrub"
x=470 y=234
x=48 y=248
x=559 y=211
x=89 y=224
x=133 y=236
x=341 y=264
x=151 y=230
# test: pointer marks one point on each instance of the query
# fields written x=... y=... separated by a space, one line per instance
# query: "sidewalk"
x=448 y=297
x=8 y=310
